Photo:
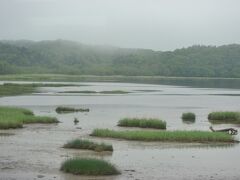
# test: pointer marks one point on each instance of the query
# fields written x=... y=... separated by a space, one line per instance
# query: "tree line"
x=66 y=57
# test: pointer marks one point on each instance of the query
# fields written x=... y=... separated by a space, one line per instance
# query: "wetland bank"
x=36 y=149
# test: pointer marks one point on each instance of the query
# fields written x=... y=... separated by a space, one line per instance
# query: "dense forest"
x=66 y=57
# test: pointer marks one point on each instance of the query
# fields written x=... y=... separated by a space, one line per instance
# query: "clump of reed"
x=224 y=117
x=84 y=166
x=169 y=136
x=188 y=117
x=142 y=123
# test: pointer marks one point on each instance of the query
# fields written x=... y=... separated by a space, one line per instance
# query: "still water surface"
x=35 y=151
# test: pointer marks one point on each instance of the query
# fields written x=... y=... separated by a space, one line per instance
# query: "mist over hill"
x=67 y=57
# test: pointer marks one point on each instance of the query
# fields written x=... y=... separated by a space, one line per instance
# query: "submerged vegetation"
x=84 y=166
x=169 y=136
x=224 y=117
x=62 y=109
x=189 y=116
x=15 y=118
x=86 y=144
x=142 y=123
x=114 y=92
x=98 y=92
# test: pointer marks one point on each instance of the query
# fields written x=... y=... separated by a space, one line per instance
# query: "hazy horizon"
x=109 y=45
x=145 y=24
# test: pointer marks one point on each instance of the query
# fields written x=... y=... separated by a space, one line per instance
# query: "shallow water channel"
x=35 y=151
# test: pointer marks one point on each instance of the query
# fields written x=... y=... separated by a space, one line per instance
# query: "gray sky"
x=152 y=24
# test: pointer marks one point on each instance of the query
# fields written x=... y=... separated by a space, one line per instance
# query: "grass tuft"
x=224 y=117
x=84 y=166
x=15 y=118
x=62 y=109
x=142 y=123
x=169 y=136
x=86 y=144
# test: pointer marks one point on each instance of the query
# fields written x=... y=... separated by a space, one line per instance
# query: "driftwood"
x=230 y=131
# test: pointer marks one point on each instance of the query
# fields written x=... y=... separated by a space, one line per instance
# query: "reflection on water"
x=88 y=153
x=138 y=145
x=196 y=145
x=188 y=121
x=191 y=82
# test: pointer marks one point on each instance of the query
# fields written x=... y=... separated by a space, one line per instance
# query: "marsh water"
x=35 y=151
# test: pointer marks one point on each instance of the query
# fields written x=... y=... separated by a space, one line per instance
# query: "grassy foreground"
x=15 y=118
x=62 y=109
x=142 y=123
x=170 y=136
x=83 y=166
x=224 y=117
x=86 y=144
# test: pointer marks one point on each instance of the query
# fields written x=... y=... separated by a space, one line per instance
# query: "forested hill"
x=66 y=57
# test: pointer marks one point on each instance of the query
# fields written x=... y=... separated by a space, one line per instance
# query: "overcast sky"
x=152 y=24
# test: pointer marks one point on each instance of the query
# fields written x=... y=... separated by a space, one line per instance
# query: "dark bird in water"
x=76 y=121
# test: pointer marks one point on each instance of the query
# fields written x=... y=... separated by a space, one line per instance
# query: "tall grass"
x=15 y=118
x=178 y=136
x=86 y=144
x=143 y=123
x=83 y=166
x=224 y=117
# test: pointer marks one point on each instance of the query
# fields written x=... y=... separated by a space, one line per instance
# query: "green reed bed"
x=40 y=84
x=224 y=117
x=62 y=109
x=15 y=118
x=86 y=144
x=15 y=89
x=142 y=123
x=84 y=166
x=168 y=136
x=12 y=89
